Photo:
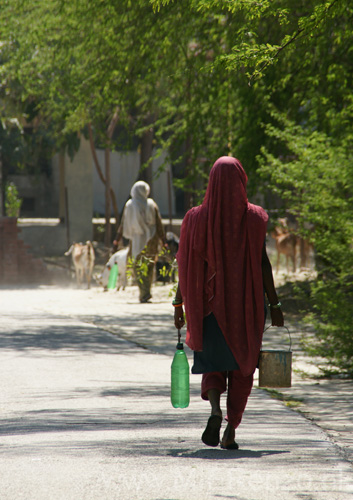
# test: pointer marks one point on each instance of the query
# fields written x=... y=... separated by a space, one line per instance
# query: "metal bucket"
x=275 y=367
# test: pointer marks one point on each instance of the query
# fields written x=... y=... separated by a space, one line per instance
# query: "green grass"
x=289 y=401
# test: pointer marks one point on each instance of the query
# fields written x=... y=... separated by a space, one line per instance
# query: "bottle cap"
x=180 y=346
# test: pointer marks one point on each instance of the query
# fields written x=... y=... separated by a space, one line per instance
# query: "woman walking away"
x=224 y=273
x=142 y=224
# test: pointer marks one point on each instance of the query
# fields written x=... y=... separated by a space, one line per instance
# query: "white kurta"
x=139 y=218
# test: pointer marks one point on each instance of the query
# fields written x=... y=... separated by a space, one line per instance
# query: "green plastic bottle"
x=113 y=276
x=180 y=390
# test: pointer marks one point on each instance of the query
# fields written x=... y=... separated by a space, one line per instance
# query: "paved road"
x=85 y=412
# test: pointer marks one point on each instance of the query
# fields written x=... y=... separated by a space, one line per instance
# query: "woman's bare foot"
x=210 y=435
x=228 y=439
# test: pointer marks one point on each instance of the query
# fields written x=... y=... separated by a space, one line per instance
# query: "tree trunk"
x=101 y=175
x=108 y=229
x=62 y=195
x=188 y=196
x=1 y=191
x=146 y=173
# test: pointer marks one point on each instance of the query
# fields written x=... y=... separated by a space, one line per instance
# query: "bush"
x=333 y=325
x=314 y=177
x=12 y=201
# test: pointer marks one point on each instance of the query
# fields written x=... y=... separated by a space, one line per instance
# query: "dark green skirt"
x=216 y=355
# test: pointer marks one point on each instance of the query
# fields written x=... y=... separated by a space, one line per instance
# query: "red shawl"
x=219 y=261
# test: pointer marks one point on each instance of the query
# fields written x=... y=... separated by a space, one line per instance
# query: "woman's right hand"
x=179 y=319
x=276 y=317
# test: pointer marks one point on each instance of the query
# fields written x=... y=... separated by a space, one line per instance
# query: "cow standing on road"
x=83 y=258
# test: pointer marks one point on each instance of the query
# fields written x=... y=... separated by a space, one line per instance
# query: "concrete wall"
x=54 y=236
x=46 y=237
x=39 y=194
x=124 y=171
x=86 y=192
x=78 y=179
x=47 y=231
x=17 y=264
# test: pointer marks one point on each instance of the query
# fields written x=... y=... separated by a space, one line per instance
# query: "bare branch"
x=94 y=154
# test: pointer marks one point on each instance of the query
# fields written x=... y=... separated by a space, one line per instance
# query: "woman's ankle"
x=214 y=397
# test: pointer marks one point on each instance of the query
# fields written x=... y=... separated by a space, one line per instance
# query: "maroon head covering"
x=219 y=261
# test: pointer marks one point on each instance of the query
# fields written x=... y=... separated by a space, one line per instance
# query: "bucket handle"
x=290 y=338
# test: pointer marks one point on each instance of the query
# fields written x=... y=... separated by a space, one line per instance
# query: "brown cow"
x=83 y=257
x=289 y=243
x=286 y=243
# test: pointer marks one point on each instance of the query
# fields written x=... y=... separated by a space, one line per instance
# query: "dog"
x=83 y=258
x=119 y=258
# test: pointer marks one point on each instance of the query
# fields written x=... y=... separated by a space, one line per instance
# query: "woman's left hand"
x=179 y=320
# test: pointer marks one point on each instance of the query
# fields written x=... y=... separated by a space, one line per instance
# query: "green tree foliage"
x=80 y=62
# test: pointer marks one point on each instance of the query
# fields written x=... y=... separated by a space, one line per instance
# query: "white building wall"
x=124 y=171
x=78 y=177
